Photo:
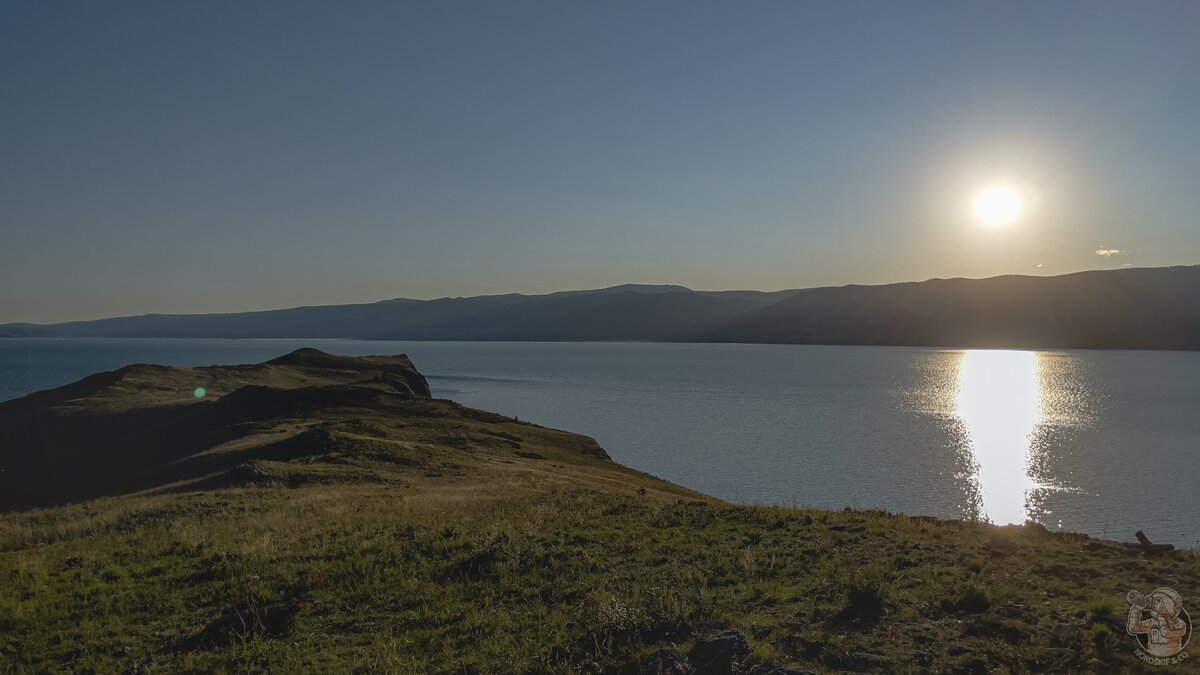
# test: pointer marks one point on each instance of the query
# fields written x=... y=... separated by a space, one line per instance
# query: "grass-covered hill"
x=323 y=514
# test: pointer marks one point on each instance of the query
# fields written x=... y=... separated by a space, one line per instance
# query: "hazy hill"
x=629 y=315
x=1155 y=308
x=1151 y=308
x=15 y=330
x=628 y=312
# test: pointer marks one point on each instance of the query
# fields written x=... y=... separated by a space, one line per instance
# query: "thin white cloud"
x=1109 y=252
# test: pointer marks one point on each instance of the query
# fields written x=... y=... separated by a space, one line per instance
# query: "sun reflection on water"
x=999 y=402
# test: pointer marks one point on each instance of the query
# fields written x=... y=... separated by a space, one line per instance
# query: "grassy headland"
x=338 y=519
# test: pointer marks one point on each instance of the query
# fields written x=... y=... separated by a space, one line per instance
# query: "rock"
x=1001 y=545
x=397 y=372
x=1034 y=527
x=242 y=623
x=1061 y=654
x=1065 y=632
x=975 y=665
x=664 y=662
x=866 y=662
x=769 y=668
x=718 y=654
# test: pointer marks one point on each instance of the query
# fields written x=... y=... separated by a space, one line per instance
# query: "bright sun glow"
x=998 y=205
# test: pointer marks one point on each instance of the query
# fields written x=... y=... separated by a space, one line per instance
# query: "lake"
x=1088 y=441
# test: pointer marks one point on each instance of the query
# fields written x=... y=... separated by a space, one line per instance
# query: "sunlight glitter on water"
x=1000 y=404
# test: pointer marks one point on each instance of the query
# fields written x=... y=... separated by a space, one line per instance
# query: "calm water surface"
x=1089 y=441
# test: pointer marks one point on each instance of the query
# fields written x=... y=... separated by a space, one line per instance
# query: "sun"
x=998 y=205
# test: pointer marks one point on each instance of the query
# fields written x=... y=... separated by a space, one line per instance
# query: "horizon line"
x=587 y=290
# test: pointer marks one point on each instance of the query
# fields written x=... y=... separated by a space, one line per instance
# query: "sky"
x=212 y=156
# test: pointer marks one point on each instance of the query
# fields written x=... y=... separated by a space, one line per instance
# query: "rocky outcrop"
x=397 y=371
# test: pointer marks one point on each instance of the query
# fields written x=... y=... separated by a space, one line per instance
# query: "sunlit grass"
x=461 y=576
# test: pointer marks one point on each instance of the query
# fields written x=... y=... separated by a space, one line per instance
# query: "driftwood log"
x=1146 y=546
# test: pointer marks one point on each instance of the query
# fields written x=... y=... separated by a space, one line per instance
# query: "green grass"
x=533 y=576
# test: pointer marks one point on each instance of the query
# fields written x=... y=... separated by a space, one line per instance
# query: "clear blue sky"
x=206 y=156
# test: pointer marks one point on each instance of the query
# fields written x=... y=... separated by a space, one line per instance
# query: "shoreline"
x=749 y=491
x=340 y=519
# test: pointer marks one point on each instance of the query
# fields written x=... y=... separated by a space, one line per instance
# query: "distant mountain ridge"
x=1147 y=308
x=627 y=312
x=1135 y=308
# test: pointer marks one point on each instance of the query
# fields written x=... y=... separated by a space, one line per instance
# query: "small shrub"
x=1101 y=610
x=1101 y=637
x=866 y=603
x=970 y=598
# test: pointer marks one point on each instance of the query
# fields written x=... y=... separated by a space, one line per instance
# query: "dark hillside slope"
x=1155 y=308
